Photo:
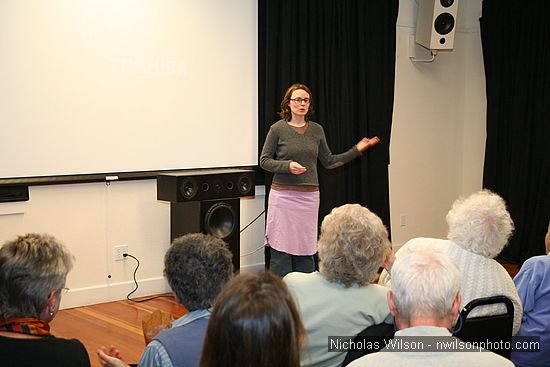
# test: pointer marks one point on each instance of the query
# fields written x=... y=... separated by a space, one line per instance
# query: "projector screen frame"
x=101 y=177
x=99 y=90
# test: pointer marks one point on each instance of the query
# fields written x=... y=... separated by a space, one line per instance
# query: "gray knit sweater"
x=481 y=276
x=283 y=145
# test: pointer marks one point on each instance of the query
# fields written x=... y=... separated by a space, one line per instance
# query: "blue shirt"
x=533 y=284
x=156 y=355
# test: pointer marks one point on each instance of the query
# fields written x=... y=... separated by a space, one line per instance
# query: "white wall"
x=91 y=219
x=438 y=134
x=437 y=153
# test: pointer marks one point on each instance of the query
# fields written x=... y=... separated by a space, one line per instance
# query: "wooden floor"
x=512 y=269
x=119 y=323
x=114 y=323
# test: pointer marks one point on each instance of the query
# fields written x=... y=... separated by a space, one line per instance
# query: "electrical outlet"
x=120 y=251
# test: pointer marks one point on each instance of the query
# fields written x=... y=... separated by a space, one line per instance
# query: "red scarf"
x=25 y=325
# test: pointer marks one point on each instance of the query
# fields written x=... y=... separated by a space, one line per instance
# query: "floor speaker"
x=219 y=218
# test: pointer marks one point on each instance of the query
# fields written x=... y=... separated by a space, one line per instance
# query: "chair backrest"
x=376 y=335
x=484 y=329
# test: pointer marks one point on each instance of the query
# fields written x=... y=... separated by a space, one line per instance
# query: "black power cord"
x=248 y=225
x=163 y=296
x=253 y=220
x=137 y=286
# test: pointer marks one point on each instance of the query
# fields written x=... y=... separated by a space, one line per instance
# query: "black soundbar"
x=205 y=184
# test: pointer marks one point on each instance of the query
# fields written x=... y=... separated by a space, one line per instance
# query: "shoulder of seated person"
x=296 y=276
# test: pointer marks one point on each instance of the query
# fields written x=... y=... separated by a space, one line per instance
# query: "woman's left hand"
x=367 y=143
x=110 y=357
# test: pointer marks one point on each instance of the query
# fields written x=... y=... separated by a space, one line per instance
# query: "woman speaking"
x=291 y=150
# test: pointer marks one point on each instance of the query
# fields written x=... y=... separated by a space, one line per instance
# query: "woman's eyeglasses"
x=299 y=100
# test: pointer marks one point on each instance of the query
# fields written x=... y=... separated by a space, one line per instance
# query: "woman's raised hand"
x=367 y=143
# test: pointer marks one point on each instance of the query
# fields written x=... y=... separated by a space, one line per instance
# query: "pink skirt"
x=291 y=224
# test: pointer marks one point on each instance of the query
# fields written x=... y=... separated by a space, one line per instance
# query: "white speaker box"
x=436 y=24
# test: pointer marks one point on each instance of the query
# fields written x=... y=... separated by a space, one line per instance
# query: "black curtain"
x=516 y=49
x=344 y=50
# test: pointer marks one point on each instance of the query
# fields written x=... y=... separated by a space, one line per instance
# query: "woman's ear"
x=52 y=306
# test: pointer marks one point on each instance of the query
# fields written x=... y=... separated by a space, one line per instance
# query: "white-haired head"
x=480 y=223
x=424 y=284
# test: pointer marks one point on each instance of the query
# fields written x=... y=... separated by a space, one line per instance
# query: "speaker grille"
x=220 y=220
x=217 y=186
x=189 y=188
x=444 y=23
x=244 y=185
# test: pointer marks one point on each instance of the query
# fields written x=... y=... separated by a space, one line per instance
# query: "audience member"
x=197 y=266
x=533 y=284
x=33 y=271
x=479 y=228
x=254 y=323
x=425 y=301
x=340 y=299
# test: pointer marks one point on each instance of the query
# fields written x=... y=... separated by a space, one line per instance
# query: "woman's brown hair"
x=254 y=323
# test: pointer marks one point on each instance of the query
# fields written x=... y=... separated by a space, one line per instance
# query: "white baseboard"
x=113 y=292
x=118 y=291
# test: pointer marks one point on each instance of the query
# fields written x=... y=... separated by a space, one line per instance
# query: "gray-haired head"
x=352 y=245
x=480 y=223
x=197 y=266
x=31 y=267
x=425 y=284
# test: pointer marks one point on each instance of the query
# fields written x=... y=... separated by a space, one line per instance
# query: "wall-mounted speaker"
x=436 y=24
x=205 y=184
x=219 y=218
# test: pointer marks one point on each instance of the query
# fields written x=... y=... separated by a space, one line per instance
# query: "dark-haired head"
x=197 y=266
x=254 y=323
